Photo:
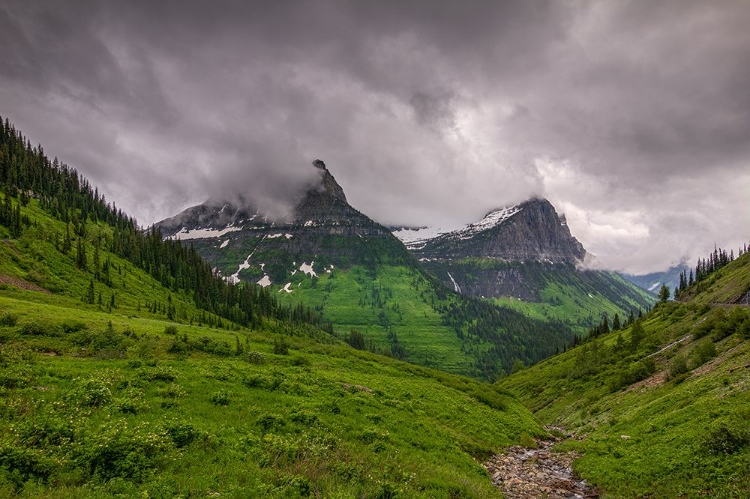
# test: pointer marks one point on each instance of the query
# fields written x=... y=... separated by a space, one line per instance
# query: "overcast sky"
x=631 y=117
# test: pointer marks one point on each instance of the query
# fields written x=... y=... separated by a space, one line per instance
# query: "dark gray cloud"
x=633 y=117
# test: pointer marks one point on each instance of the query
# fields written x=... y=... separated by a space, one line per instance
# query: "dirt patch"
x=657 y=379
x=524 y=473
x=21 y=284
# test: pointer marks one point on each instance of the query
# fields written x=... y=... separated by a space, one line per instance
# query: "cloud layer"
x=632 y=117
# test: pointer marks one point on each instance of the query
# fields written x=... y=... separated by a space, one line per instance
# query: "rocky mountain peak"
x=529 y=231
x=327 y=184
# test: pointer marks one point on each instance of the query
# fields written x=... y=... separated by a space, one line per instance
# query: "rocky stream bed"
x=533 y=473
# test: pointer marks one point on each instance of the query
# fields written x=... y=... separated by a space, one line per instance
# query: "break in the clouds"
x=632 y=117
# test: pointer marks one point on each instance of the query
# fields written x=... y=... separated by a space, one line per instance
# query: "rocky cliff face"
x=530 y=231
x=322 y=231
x=523 y=252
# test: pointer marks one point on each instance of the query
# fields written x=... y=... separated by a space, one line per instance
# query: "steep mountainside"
x=524 y=257
x=364 y=281
x=660 y=406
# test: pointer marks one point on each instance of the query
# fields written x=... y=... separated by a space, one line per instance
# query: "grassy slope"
x=33 y=258
x=395 y=299
x=92 y=412
x=657 y=438
x=577 y=298
x=572 y=304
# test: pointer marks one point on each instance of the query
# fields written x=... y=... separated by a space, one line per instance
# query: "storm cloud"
x=631 y=117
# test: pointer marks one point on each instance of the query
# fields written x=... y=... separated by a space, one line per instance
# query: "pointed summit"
x=328 y=184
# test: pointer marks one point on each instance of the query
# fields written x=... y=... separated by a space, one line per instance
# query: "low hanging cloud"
x=631 y=117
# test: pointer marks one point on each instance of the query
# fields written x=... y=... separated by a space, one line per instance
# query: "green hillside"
x=661 y=408
x=402 y=312
x=551 y=291
x=128 y=369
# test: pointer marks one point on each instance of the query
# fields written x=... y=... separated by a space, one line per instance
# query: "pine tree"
x=89 y=297
x=81 y=261
x=616 y=322
x=664 y=293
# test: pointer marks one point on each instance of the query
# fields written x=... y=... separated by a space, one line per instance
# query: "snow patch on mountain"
x=417 y=237
x=456 y=287
x=224 y=244
x=492 y=219
x=186 y=234
x=308 y=269
x=286 y=288
x=265 y=281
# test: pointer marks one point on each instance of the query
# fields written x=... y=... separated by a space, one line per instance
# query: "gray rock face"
x=530 y=231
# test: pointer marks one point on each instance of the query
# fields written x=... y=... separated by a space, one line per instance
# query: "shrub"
x=725 y=440
x=132 y=403
x=255 y=358
x=158 y=374
x=172 y=391
x=72 y=326
x=256 y=381
x=25 y=463
x=280 y=347
x=677 y=367
x=16 y=376
x=220 y=398
x=92 y=393
x=182 y=434
x=300 y=361
x=170 y=330
x=115 y=450
x=39 y=329
x=703 y=352
x=268 y=422
x=8 y=320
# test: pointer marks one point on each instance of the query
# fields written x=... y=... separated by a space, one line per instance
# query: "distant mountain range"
x=653 y=281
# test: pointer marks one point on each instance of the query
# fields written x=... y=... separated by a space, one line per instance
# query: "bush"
x=39 y=329
x=677 y=367
x=72 y=326
x=25 y=464
x=725 y=440
x=115 y=450
x=300 y=361
x=268 y=422
x=702 y=353
x=182 y=434
x=132 y=403
x=170 y=330
x=256 y=381
x=92 y=393
x=8 y=320
x=255 y=358
x=280 y=347
x=220 y=398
